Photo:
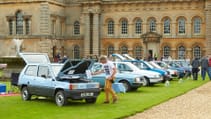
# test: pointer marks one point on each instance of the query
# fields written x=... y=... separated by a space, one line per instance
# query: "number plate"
x=87 y=94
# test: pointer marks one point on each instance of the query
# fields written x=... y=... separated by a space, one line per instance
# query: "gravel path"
x=195 y=104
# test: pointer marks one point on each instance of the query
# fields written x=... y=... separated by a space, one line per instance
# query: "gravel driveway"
x=195 y=104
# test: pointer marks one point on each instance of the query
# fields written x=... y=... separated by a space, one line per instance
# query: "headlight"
x=137 y=80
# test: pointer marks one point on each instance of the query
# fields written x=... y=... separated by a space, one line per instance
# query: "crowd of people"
x=205 y=64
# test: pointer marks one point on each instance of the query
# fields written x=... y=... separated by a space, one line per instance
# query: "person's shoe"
x=106 y=102
x=115 y=100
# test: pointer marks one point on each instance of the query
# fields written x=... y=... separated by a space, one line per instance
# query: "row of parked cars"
x=71 y=80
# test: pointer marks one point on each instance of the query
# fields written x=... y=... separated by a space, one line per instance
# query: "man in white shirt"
x=110 y=70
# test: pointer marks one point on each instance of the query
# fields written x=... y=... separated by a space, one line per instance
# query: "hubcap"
x=144 y=82
x=60 y=99
x=125 y=85
x=25 y=93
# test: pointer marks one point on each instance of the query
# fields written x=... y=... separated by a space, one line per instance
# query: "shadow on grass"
x=51 y=101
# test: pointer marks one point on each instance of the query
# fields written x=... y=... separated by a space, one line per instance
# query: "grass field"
x=129 y=104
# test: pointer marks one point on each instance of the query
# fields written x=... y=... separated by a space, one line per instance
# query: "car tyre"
x=60 y=98
x=91 y=100
x=25 y=94
x=145 y=81
x=126 y=85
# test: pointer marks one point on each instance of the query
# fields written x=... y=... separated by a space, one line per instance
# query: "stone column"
x=144 y=27
x=208 y=26
x=189 y=29
x=86 y=34
x=159 y=28
x=173 y=29
x=14 y=27
x=96 y=34
x=24 y=27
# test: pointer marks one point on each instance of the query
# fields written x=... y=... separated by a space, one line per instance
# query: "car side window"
x=31 y=71
x=44 y=72
x=123 y=67
x=96 y=67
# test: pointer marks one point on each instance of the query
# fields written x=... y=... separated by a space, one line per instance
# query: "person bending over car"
x=110 y=70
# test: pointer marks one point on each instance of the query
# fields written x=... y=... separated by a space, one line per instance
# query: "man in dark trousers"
x=204 y=67
x=195 y=68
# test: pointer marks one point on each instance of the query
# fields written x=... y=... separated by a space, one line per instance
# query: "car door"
x=29 y=78
x=45 y=80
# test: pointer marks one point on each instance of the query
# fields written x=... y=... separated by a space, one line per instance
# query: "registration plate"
x=87 y=94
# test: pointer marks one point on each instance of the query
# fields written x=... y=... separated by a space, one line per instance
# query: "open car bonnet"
x=35 y=58
x=79 y=68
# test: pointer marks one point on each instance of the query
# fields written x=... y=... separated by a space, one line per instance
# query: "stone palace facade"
x=77 y=28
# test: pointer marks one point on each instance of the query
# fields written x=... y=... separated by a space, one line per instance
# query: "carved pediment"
x=151 y=37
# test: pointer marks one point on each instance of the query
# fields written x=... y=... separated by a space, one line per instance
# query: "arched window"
x=19 y=23
x=197 y=52
x=110 y=50
x=124 y=50
x=76 y=28
x=166 y=51
x=152 y=25
x=197 y=25
x=76 y=52
x=138 y=51
x=124 y=26
x=181 y=52
x=167 y=26
x=181 y=26
x=138 y=26
x=110 y=27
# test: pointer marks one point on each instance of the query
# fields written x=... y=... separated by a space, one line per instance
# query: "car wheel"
x=145 y=82
x=91 y=100
x=60 y=98
x=126 y=85
x=25 y=94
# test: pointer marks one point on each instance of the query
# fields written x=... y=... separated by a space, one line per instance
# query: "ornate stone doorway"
x=151 y=41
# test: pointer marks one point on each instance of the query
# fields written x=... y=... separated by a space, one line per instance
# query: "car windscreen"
x=56 y=69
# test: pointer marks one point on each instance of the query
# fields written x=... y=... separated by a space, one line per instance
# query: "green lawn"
x=129 y=104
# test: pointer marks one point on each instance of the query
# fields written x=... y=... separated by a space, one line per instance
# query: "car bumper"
x=82 y=94
x=174 y=76
x=156 y=80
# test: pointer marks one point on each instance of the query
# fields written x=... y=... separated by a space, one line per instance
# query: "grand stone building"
x=77 y=28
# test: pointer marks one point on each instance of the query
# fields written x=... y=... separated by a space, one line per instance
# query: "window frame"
x=138 y=26
x=197 y=53
x=183 y=55
x=76 y=52
x=110 y=27
x=197 y=25
x=19 y=23
x=166 y=51
x=181 y=26
x=167 y=26
x=152 y=25
x=124 y=51
x=124 y=27
x=76 y=28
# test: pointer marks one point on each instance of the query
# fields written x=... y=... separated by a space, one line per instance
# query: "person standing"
x=209 y=67
x=204 y=67
x=110 y=70
x=195 y=68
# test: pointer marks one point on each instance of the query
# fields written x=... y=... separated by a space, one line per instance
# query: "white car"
x=150 y=77
x=173 y=73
